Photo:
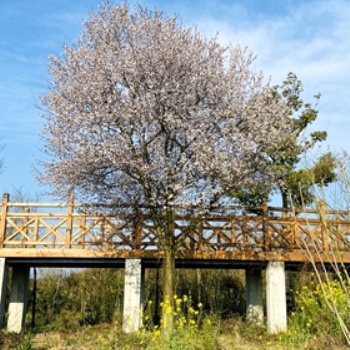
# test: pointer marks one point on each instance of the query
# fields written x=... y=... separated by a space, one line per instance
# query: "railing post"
x=138 y=230
x=69 y=226
x=324 y=232
x=200 y=236
x=233 y=232
x=265 y=225
x=338 y=239
x=25 y=226
x=244 y=231
x=4 y=208
x=102 y=237
x=82 y=229
x=294 y=231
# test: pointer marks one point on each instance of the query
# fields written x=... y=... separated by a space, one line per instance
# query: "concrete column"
x=276 y=302
x=18 y=298
x=3 y=288
x=133 y=295
x=254 y=296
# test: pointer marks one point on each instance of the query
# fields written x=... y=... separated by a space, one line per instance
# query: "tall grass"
x=324 y=304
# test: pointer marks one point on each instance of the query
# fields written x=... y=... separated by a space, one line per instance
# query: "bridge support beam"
x=276 y=302
x=254 y=295
x=18 y=298
x=3 y=285
x=133 y=295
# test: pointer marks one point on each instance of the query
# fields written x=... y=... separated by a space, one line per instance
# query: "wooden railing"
x=70 y=230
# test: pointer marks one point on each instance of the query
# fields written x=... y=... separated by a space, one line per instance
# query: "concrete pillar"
x=18 y=298
x=254 y=296
x=3 y=288
x=133 y=295
x=276 y=302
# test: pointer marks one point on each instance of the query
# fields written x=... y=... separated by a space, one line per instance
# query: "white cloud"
x=310 y=40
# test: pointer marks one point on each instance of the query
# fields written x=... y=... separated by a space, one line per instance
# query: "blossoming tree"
x=146 y=113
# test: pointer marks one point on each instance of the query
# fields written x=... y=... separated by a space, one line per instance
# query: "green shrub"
x=313 y=317
x=67 y=300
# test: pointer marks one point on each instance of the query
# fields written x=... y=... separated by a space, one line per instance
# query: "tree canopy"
x=143 y=109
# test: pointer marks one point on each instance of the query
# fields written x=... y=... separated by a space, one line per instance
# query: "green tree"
x=297 y=183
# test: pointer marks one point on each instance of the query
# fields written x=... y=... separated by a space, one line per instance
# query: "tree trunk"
x=285 y=201
x=168 y=292
x=199 y=285
x=156 y=319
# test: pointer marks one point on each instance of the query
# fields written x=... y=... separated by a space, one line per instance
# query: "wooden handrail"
x=66 y=230
x=4 y=205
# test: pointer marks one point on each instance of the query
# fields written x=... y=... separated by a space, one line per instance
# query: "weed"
x=25 y=343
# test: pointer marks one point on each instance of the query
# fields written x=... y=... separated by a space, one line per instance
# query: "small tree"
x=146 y=113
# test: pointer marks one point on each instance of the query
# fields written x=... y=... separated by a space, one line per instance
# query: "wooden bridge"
x=74 y=234
x=73 y=230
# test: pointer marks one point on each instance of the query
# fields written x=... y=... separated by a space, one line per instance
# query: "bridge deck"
x=56 y=230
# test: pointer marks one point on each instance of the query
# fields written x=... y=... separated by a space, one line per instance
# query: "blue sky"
x=309 y=38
